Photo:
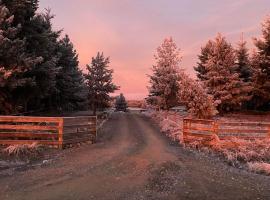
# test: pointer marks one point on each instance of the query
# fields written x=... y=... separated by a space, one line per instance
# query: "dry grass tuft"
x=22 y=150
x=259 y=167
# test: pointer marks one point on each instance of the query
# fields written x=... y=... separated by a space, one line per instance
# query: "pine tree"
x=99 y=82
x=242 y=61
x=206 y=51
x=164 y=84
x=22 y=10
x=42 y=41
x=261 y=66
x=222 y=80
x=120 y=103
x=14 y=61
x=70 y=84
x=195 y=97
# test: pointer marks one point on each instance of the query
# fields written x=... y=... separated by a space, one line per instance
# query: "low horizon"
x=115 y=29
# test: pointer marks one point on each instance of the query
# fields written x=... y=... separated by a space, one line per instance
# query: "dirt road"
x=133 y=160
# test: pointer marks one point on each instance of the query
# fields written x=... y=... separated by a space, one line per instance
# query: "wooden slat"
x=199 y=121
x=30 y=135
x=79 y=125
x=29 y=119
x=74 y=130
x=48 y=142
x=201 y=128
x=27 y=127
x=234 y=130
x=77 y=140
x=222 y=137
x=244 y=124
x=198 y=134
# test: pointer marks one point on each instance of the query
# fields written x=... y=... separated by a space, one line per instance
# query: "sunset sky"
x=129 y=31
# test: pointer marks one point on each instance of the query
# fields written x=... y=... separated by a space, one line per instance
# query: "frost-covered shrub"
x=259 y=167
x=237 y=152
x=170 y=123
x=198 y=102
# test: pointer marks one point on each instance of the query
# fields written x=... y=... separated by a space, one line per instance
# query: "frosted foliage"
x=165 y=77
x=222 y=80
x=198 y=102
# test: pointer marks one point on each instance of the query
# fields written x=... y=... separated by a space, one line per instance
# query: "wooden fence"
x=225 y=130
x=53 y=131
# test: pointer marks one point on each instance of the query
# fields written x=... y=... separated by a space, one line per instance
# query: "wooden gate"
x=225 y=130
x=53 y=131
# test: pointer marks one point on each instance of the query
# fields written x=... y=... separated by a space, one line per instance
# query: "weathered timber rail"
x=225 y=130
x=52 y=131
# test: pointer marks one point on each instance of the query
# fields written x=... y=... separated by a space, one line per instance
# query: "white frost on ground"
x=254 y=154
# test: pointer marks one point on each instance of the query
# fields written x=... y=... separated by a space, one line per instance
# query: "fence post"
x=215 y=127
x=95 y=122
x=269 y=131
x=186 y=127
x=60 y=133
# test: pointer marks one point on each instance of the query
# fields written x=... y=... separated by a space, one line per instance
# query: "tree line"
x=39 y=69
x=228 y=78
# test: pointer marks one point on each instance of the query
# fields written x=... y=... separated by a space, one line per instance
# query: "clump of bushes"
x=259 y=167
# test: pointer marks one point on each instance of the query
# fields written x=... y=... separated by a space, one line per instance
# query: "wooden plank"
x=200 y=135
x=70 y=137
x=48 y=142
x=260 y=124
x=234 y=130
x=200 y=129
x=74 y=130
x=30 y=135
x=29 y=119
x=79 y=125
x=199 y=121
x=222 y=137
x=27 y=127
x=60 y=133
x=72 y=141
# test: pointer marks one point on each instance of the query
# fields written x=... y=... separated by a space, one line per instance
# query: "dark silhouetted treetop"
x=99 y=81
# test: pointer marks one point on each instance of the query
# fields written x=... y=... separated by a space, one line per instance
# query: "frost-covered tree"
x=261 y=66
x=99 y=82
x=164 y=82
x=200 y=69
x=242 y=61
x=120 y=103
x=222 y=80
x=195 y=97
x=14 y=61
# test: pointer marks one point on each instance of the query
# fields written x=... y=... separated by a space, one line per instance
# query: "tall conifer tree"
x=261 y=66
x=99 y=82
x=164 y=82
x=242 y=61
x=200 y=69
x=14 y=61
x=222 y=80
x=70 y=87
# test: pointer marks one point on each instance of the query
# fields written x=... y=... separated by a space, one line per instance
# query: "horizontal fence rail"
x=52 y=131
x=225 y=130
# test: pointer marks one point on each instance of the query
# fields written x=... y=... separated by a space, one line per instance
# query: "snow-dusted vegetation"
x=252 y=154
